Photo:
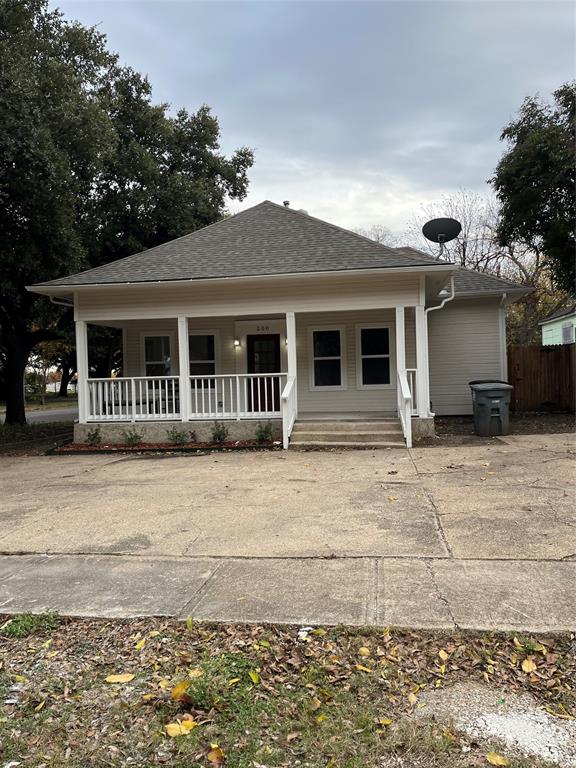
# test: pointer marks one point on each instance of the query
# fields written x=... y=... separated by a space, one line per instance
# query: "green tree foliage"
x=535 y=182
x=91 y=170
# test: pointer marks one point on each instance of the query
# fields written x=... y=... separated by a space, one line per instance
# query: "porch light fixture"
x=236 y=342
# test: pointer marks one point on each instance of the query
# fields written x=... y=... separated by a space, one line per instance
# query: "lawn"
x=33 y=402
x=160 y=692
x=32 y=439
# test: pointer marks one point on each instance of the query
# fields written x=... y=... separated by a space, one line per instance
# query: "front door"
x=263 y=352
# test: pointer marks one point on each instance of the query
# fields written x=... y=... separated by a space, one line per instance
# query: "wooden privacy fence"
x=543 y=377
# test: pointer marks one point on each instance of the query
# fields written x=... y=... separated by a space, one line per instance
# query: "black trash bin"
x=491 y=406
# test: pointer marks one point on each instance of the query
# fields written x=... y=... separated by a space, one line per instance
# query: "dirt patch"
x=459 y=430
x=513 y=719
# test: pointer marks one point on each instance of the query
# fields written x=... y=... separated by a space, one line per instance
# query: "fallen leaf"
x=392 y=498
x=189 y=623
x=140 y=644
x=362 y=669
x=180 y=728
x=154 y=633
x=364 y=651
x=412 y=699
x=216 y=755
x=123 y=678
x=316 y=703
x=321 y=718
x=196 y=672
x=40 y=706
x=292 y=736
x=179 y=691
x=254 y=676
x=528 y=665
x=495 y=759
x=233 y=681
x=320 y=632
x=443 y=655
x=384 y=721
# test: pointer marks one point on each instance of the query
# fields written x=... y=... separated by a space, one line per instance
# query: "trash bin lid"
x=487 y=381
x=488 y=386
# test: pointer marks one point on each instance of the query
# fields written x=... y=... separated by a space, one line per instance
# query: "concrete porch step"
x=379 y=433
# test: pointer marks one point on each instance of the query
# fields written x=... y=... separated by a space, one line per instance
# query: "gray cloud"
x=358 y=111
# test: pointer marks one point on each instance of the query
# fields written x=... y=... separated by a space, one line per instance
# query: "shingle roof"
x=268 y=239
x=566 y=312
x=471 y=281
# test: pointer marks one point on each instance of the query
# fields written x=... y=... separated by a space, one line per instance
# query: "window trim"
x=391 y=356
x=151 y=334
x=343 y=378
x=206 y=332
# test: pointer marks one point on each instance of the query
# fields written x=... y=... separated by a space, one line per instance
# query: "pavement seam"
x=372 y=607
x=200 y=592
x=439 y=594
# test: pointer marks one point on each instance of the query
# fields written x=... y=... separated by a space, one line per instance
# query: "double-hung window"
x=202 y=348
x=157 y=361
x=373 y=356
x=327 y=368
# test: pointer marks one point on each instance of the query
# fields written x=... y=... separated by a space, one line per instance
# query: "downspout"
x=431 y=309
x=503 y=347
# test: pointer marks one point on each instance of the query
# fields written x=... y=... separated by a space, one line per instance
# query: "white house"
x=559 y=328
x=275 y=315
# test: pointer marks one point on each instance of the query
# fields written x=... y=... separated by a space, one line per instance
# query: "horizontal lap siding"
x=464 y=344
x=247 y=297
x=350 y=399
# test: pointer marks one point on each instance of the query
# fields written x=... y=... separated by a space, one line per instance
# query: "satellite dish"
x=441 y=231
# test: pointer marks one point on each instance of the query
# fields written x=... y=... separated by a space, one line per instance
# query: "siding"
x=552 y=332
x=247 y=297
x=233 y=360
x=464 y=344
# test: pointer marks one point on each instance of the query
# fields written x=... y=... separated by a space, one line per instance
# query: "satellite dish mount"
x=441 y=231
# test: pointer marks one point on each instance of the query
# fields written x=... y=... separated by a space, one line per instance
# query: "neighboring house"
x=559 y=328
x=275 y=315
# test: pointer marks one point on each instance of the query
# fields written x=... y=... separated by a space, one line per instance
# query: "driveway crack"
x=201 y=591
x=439 y=594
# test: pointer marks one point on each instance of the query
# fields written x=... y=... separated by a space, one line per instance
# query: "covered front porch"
x=242 y=370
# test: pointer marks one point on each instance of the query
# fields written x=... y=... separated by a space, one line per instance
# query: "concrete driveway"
x=479 y=536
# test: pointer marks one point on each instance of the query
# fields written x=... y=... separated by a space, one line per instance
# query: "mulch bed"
x=236 y=445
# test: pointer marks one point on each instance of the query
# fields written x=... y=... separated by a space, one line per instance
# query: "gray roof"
x=267 y=239
x=566 y=312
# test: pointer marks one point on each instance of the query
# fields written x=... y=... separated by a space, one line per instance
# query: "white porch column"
x=422 y=372
x=400 y=340
x=184 y=359
x=82 y=369
x=292 y=358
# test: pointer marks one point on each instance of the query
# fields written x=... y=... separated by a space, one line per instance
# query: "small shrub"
x=264 y=432
x=28 y=624
x=93 y=436
x=220 y=433
x=131 y=438
x=177 y=436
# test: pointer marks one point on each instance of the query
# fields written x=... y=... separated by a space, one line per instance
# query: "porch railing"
x=136 y=398
x=404 y=401
x=145 y=398
x=289 y=410
x=411 y=376
x=236 y=396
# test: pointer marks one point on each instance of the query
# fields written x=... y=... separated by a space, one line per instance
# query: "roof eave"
x=47 y=288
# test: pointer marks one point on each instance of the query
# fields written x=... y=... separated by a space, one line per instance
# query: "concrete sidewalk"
x=429 y=593
x=481 y=535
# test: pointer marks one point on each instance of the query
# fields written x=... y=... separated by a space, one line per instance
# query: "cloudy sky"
x=359 y=112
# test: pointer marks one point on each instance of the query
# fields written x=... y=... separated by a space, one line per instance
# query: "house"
x=559 y=328
x=273 y=314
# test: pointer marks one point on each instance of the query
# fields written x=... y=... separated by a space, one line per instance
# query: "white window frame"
x=359 y=356
x=207 y=332
x=151 y=334
x=567 y=326
x=342 y=358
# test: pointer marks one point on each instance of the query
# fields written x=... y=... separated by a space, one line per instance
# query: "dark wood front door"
x=263 y=352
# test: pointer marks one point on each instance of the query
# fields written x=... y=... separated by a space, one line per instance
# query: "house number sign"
x=262 y=328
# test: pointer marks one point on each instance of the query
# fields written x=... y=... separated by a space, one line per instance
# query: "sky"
x=358 y=112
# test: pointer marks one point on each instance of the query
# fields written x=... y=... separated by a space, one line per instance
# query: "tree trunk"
x=67 y=374
x=17 y=352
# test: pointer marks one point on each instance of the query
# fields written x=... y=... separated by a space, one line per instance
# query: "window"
x=567 y=333
x=157 y=355
x=373 y=356
x=202 y=350
x=327 y=358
